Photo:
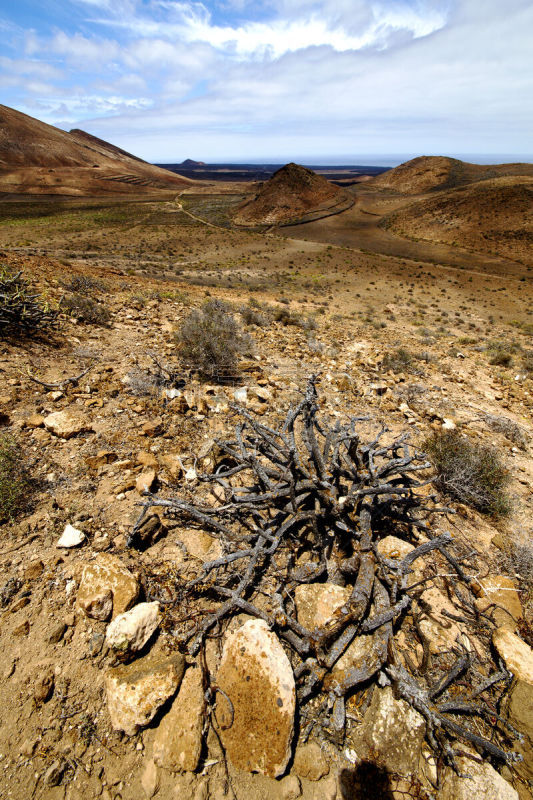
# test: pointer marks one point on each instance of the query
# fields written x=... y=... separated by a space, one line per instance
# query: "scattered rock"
x=66 y=424
x=153 y=427
x=200 y=544
x=44 y=688
x=34 y=570
x=71 y=537
x=150 y=779
x=129 y=632
x=54 y=773
x=147 y=459
x=482 y=783
x=392 y=733
x=96 y=642
x=309 y=762
x=148 y=533
x=172 y=462
x=34 y=421
x=290 y=788
x=136 y=691
x=257 y=736
x=497 y=595
x=518 y=656
x=106 y=586
x=178 y=739
x=146 y=480
x=58 y=631
x=520 y=713
x=22 y=629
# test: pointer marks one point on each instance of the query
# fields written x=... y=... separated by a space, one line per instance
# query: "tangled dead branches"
x=308 y=488
x=21 y=311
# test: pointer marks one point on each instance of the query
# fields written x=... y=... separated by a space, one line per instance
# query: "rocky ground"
x=96 y=698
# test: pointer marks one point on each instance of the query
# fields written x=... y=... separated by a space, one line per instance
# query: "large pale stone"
x=178 y=740
x=200 y=544
x=66 y=424
x=440 y=631
x=392 y=733
x=392 y=547
x=483 y=783
x=518 y=656
x=129 y=632
x=136 y=691
x=497 y=594
x=310 y=763
x=106 y=586
x=71 y=537
x=520 y=713
x=257 y=677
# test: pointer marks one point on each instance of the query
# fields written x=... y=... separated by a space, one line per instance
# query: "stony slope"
x=492 y=216
x=432 y=173
x=36 y=158
x=292 y=194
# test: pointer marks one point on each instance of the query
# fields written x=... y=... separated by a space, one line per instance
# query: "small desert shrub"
x=21 y=311
x=511 y=430
x=527 y=361
x=15 y=483
x=210 y=341
x=287 y=317
x=250 y=315
x=501 y=352
x=472 y=474
x=86 y=310
x=399 y=360
x=84 y=284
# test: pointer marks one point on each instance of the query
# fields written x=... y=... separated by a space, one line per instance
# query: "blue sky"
x=330 y=81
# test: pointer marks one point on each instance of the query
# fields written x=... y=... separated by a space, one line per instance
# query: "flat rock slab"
x=518 y=656
x=257 y=724
x=483 y=783
x=136 y=691
x=498 y=595
x=392 y=733
x=130 y=631
x=178 y=739
x=66 y=424
x=106 y=587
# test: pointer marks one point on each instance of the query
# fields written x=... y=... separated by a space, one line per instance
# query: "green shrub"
x=210 y=342
x=86 y=310
x=21 y=311
x=472 y=474
x=15 y=483
x=399 y=360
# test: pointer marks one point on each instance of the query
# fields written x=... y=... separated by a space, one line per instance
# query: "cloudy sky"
x=335 y=81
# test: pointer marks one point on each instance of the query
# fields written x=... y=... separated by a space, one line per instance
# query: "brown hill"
x=293 y=194
x=492 y=216
x=434 y=173
x=36 y=158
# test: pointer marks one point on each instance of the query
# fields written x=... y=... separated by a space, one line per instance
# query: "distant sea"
x=387 y=159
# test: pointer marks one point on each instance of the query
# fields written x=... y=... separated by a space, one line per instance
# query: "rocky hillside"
x=435 y=173
x=292 y=608
x=492 y=216
x=36 y=158
x=292 y=194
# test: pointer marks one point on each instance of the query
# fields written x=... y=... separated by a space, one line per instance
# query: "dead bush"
x=210 y=342
x=472 y=474
x=21 y=311
x=511 y=430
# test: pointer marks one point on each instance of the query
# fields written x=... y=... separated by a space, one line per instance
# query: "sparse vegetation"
x=472 y=474
x=399 y=360
x=21 y=311
x=210 y=342
x=86 y=310
x=511 y=430
x=15 y=483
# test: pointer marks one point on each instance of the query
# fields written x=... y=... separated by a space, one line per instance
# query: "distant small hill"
x=490 y=215
x=36 y=158
x=190 y=164
x=435 y=173
x=293 y=194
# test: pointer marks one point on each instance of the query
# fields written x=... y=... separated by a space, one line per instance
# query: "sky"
x=337 y=81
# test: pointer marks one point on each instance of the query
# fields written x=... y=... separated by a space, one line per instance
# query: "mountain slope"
x=492 y=216
x=435 y=173
x=293 y=193
x=37 y=158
